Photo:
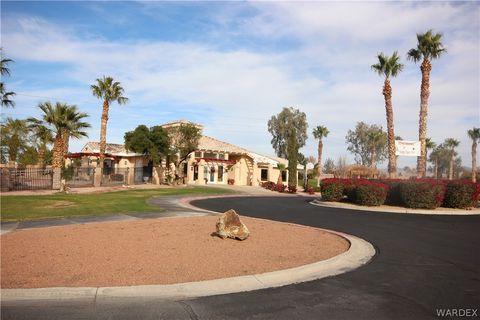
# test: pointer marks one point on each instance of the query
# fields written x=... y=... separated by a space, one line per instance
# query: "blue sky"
x=231 y=65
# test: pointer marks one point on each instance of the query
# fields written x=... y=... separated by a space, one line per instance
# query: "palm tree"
x=5 y=71
x=389 y=66
x=14 y=134
x=429 y=47
x=109 y=91
x=429 y=145
x=451 y=144
x=474 y=134
x=281 y=167
x=435 y=156
x=62 y=118
x=75 y=127
x=43 y=136
x=319 y=133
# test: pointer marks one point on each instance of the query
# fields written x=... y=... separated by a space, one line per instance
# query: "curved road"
x=424 y=264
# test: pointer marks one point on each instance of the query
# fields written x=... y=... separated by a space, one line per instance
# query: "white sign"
x=407 y=148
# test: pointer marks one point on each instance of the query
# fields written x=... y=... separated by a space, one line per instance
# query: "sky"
x=231 y=65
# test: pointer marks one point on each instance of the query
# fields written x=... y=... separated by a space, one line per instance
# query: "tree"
x=368 y=143
x=289 y=134
x=451 y=144
x=5 y=71
x=281 y=167
x=319 y=133
x=429 y=47
x=14 y=133
x=474 y=134
x=386 y=67
x=61 y=118
x=75 y=127
x=109 y=91
x=329 y=166
x=43 y=137
x=151 y=142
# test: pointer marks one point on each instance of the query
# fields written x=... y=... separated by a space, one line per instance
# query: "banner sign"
x=407 y=148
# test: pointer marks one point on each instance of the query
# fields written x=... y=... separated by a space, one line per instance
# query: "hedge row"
x=421 y=193
x=280 y=187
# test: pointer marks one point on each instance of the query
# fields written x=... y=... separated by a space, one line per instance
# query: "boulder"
x=230 y=226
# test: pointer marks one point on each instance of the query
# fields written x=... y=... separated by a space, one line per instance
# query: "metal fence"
x=80 y=177
x=142 y=174
x=114 y=176
x=26 y=179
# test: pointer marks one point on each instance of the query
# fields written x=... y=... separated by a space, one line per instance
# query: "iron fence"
x=114 y=176
x=26 y=179
x=142 y=174
x=80 y=177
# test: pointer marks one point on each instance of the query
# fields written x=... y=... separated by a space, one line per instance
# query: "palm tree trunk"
x=57 y=161
x=374 y=158
x=392 y=159
x=103 y=133
x=41 y=157
x=474 y=161
x=66 y=141
x=319 y=165
x=426 y=67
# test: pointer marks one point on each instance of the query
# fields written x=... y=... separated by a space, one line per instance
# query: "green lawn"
x=16 y=208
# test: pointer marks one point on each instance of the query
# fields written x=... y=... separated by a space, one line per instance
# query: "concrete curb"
x=359 y=253
x=390 y=209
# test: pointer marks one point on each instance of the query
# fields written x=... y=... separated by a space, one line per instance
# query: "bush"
x=292 y=189
x=332 y=189
x=425 y=193
x=369 y=193
x=280 y=187
x=461 y=194
x=394 y=196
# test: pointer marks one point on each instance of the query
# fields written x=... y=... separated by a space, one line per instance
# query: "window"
x=125 y=162
x=220 y=174
x=209 y=155
x=284 y=176
x=221 y=156
x=264 y=175
x=198 y=154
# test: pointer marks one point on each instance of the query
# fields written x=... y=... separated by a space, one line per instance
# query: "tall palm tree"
x=434 y=158
x=75 y=127
x=14 y=134
x=43 y=136
x=429 y=145
x=386 y=67
x=451 y=144
x=429 y=47
x=319 y=133
x=109 y=91
x=62 y=118
x=474 y=134
x=5 y=71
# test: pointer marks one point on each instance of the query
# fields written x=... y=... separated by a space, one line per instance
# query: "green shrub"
x=461 y=194
x=424 y=194
x=332 y=189
x=394 y=196
x=370 y=194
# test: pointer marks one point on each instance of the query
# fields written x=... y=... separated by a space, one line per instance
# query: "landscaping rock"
x=230 y=226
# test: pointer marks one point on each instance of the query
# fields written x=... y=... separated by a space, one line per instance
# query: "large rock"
x=230 y=226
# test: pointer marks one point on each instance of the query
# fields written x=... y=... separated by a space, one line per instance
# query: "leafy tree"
x=368 y=143
x=151 y=142
x=474 y=134
x=108 y=90
x=329 y=166
x=289 y=132
x=75 y=127
x=61 y=118
x=319 y=133
x=5 y=71
x=451 y=144
x=29 y=156
x=386 y=67
x=429 y=47
x=14 y=134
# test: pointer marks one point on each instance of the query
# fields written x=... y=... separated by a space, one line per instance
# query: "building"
x=214 y=162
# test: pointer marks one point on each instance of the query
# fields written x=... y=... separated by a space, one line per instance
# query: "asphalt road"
x=424 y=264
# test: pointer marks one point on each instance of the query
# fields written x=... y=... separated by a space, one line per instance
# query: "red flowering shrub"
x=332 y=189
x=269 y=185
x=424 y=193
x=292 y=189
x=368 y=193
x=461 y=194
x=280 y=187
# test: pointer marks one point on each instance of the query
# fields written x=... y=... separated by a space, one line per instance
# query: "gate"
x=80 y=177
x=114 y=176
x=26 y=179
x=142 y=174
